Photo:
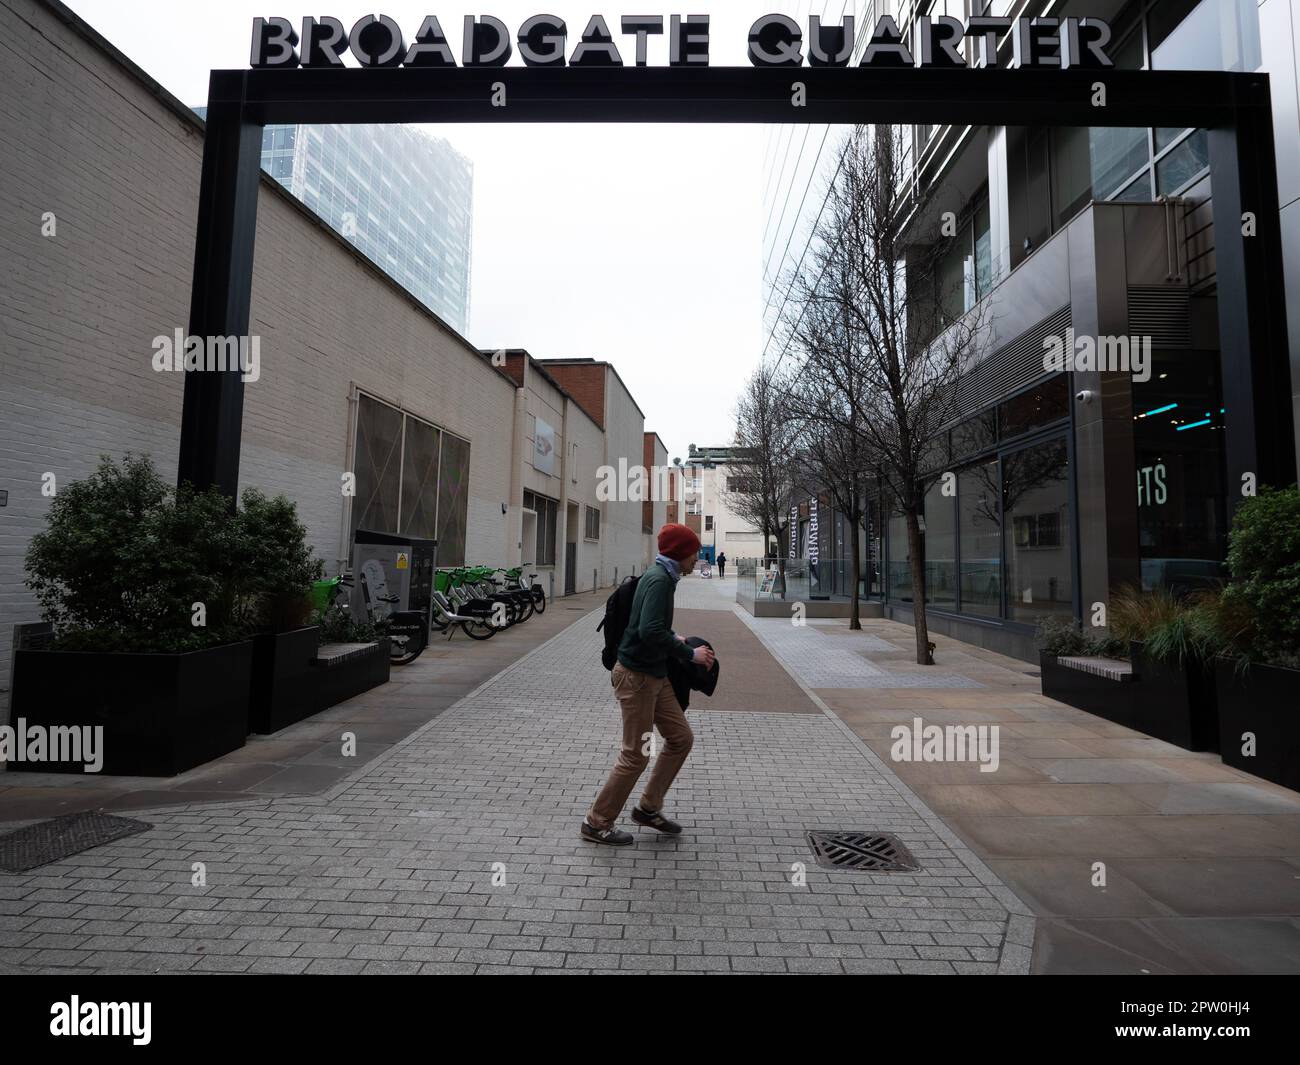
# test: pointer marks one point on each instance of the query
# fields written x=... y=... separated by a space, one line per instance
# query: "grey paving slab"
x=457 y=850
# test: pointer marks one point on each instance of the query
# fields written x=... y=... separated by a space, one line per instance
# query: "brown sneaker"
x=655 y=820
x=611 y=837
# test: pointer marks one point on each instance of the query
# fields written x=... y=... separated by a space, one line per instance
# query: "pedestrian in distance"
x=646 y=698
x=722 y=565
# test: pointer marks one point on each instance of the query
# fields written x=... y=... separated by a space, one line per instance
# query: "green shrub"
x=337 y=625
x=125 y=557
x=1063 y=637
x=1173 y=629
x=1263 y=599
x=280 y=566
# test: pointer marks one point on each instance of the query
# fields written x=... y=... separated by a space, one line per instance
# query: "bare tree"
x=759 y=486
x=883 y=340
x=829 y=400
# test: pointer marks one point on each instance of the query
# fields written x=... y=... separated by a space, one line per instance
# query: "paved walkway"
x=456 y=850
x=453 y=847
x=306 y=758
x=1201 y=861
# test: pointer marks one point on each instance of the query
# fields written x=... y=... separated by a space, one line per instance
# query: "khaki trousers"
x=647 y=703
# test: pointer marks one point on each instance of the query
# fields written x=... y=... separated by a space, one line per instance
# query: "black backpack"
x=618 y=612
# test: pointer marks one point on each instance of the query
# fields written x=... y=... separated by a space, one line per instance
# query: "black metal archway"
x=1234 y=108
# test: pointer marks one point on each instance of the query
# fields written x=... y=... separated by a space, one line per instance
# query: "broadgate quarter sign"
x=774 y=41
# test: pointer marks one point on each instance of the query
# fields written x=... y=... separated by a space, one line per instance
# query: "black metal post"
x=211 y=421
x=1253 y=351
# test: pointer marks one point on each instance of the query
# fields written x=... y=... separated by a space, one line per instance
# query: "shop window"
x=1178 y=432
x=1036 y=509
x=980 y=534
x=940 y=547
x=900 y=560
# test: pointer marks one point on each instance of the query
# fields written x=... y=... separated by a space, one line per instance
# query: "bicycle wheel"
x=403 y=650
x=479 y=629
x=524 y=606
x=539 y=599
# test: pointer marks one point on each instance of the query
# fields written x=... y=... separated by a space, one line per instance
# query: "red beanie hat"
x=677 y=542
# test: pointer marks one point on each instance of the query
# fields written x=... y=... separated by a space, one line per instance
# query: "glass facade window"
x=1182 y=165
x=940 y=548
x=1036 y=531
x=900 y=560
x=975 y=434
x=980 y=534
x=1046 y=402
x=1204 y=35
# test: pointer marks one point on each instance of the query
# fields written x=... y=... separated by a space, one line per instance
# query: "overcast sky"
x=637 y=244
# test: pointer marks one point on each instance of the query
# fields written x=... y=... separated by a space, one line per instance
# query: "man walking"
x=722 y=565
x=646 y=699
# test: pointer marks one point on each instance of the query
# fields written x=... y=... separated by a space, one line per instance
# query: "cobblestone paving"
x=393 y=871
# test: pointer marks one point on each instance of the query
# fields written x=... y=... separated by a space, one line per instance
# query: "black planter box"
x=341 y=676
x=1264 y=701
x=1178 y=703
x=285 y=683
x=161 y=713
x=1105 y=697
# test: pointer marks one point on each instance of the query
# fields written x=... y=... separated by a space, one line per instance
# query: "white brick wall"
x=622 y=542
x=119 y=169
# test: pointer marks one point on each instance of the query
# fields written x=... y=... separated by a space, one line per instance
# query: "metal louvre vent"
x=49 y=841
x=1161 y=312
x=1011 y=367
x=868 y=851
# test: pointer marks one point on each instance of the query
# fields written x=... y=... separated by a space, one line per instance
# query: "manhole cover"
x=871 y=851
x=48 y=841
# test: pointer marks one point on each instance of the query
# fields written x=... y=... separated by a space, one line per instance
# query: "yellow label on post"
x=402 y=561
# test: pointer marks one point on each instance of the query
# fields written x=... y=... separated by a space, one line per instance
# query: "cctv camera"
x=1084 y=397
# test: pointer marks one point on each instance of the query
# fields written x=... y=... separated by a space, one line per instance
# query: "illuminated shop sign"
x=774 y=41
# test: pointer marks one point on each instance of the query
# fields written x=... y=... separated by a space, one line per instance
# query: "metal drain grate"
x=48 y=841
x=869 y=851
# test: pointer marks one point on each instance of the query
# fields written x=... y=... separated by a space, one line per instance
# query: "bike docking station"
x=393 y=584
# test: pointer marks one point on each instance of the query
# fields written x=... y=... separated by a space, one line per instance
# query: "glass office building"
x=401 y=195
x=1070 y=485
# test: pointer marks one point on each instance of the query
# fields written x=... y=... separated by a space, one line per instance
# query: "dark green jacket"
x=648 y=641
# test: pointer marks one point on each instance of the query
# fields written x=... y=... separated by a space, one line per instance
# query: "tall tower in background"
x=401 y=195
